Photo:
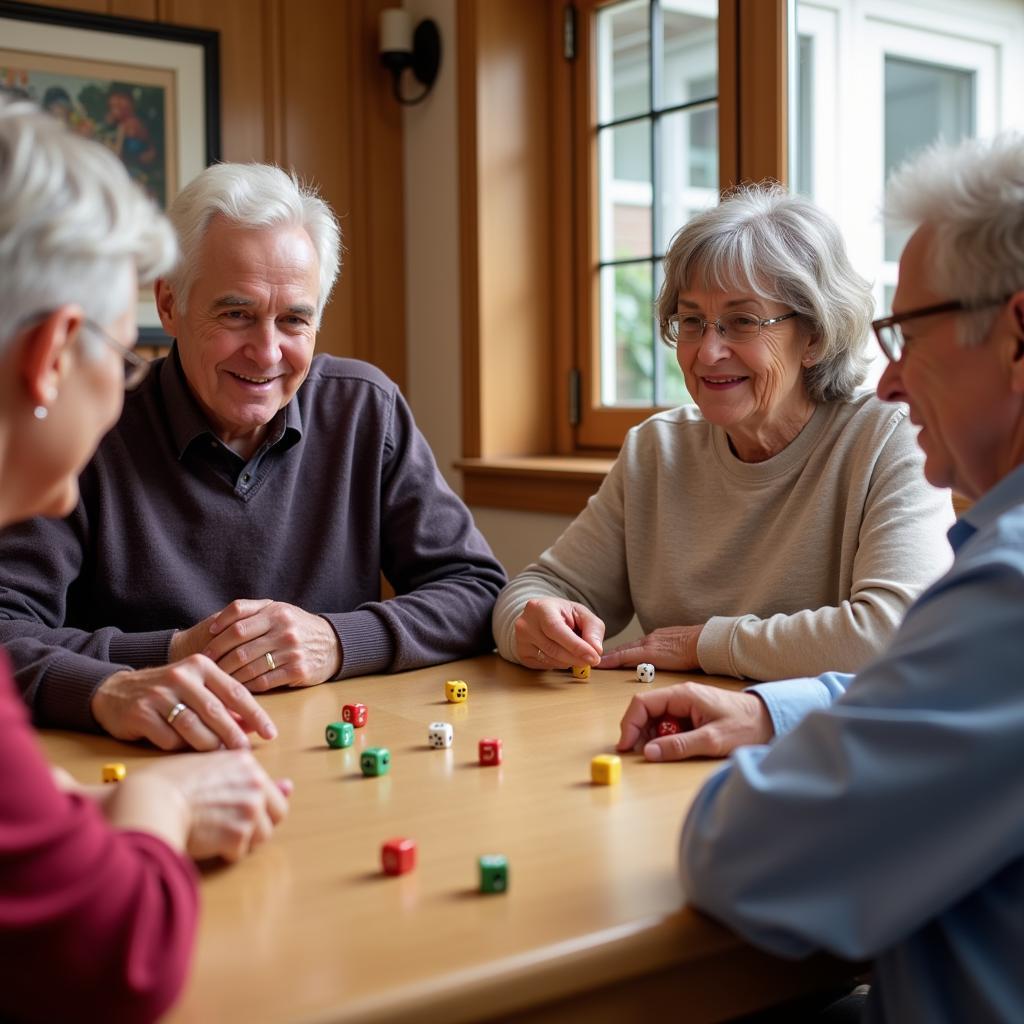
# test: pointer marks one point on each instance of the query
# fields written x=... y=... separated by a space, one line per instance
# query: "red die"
x=354 y=713
x=668 y=726
x=398 y=856
x=490 y=751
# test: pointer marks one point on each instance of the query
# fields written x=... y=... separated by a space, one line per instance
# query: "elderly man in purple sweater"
x=233 y=527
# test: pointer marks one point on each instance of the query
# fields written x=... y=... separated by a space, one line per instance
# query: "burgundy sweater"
x=172 y=526
x=95 y=924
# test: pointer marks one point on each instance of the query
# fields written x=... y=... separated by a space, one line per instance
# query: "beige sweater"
x=797 y=565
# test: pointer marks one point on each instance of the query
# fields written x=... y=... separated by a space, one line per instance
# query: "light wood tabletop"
x=592 y=927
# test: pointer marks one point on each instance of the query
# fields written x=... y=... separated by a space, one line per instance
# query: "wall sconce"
x=401 y=48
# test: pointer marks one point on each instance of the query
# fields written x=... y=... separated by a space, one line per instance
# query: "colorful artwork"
x=130 y=118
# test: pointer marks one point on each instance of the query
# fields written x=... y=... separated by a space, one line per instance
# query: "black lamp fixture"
x=401 y=48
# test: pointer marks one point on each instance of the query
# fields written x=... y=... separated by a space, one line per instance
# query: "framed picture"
x=148 y=90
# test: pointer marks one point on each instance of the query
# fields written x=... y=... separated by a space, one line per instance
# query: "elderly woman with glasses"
x=777 y=527
x=98 y=893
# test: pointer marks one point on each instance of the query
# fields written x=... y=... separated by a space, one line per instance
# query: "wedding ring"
x=540 y=655
x=270 y=661
x=175 y=711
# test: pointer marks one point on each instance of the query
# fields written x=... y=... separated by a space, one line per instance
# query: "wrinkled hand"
x=673 y=648
x=552 y=632
x=219 y=710
x=197 y=638
x=304 y=647
x=233 y=805
x=718 y=722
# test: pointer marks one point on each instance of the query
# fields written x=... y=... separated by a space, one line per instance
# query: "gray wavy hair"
x=972 y=195
x=786 y=249
x=253 y=196
x=74 y=228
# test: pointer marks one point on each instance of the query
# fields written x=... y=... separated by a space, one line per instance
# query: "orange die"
x=114 y=772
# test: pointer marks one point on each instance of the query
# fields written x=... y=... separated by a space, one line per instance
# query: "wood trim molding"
x=556 y=484
x=762 y=100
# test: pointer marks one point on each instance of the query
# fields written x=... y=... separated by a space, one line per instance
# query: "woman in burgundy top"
x=98 y=894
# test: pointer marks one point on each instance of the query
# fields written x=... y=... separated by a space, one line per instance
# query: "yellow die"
x=114 y=772
x=581 y=672
x=455 y=691
x=606 y=769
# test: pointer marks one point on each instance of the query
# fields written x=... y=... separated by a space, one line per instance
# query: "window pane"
x=623 y=60
x=627 y=335
x=688 y=172
x=625 y=190
x=689 y=59
x=804 y=183
x=923 y=102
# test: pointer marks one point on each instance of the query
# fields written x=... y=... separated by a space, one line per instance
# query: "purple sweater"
x=172 y=525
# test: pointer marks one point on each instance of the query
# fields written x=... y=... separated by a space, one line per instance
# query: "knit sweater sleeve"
x=111 y=915
x=901 y=549
x=587 y=564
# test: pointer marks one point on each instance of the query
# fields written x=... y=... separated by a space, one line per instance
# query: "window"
x=931 y=72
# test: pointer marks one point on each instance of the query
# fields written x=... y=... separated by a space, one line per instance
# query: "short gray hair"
x=786 y=249
x=971 y=195
x=73 y=225
x=252 y=196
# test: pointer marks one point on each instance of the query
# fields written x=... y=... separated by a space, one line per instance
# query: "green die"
x=375 y=761
x=493 y=873
x=339 y=734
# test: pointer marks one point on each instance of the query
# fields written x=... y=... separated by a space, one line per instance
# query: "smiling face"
x=246 y=340
x=753 y=389
x=966 y=400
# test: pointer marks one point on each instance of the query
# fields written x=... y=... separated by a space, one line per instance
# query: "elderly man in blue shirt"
x=885 y=821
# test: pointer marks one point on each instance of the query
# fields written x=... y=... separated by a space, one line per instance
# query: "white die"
x=439 y=735
x=645 y=672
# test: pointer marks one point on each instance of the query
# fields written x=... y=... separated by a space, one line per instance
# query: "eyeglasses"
x=135 y=367
x=736 y=327
x=889 y=330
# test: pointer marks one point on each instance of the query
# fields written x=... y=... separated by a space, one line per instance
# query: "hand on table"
x=218 y=710
x=303 y=648
x=673 y=648
x=719 y=721
x=232 y=804
x=552 y=632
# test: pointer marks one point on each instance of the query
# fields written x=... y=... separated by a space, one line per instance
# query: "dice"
x=493 y=872
x=439 y=735
x=354 y=713
x=397 y=856
x=114 y=772
x=606 y=769
x=455 y=691
x=339 y=734
x=668 y=725
x=490 y=750
x=375 y=761
x=581 y=672
x=645 y=672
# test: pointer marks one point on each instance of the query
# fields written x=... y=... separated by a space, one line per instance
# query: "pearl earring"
x=41 y=412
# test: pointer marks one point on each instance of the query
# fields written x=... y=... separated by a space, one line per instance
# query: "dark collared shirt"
x=172 y=525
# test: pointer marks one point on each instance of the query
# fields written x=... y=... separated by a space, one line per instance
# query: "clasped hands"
x=213 y=669
x=557 y=633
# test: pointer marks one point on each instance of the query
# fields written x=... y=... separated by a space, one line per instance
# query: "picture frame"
x=148 y=90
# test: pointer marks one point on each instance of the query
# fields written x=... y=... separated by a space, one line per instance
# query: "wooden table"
x=592 y=928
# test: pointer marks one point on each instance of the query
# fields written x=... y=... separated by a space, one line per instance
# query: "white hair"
x=972 y=196
x=73 y=225
x=786 y=249
x=252 y=196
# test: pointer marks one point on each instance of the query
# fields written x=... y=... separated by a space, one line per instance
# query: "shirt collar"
x=187 y=420
x=988 y=508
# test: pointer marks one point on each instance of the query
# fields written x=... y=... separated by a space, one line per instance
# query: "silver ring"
x=175 y=711
x=270 y=661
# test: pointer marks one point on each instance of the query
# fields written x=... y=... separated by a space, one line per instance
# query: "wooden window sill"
x=539 y=483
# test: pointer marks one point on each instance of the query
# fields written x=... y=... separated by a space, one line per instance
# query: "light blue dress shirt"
x=886 y=821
